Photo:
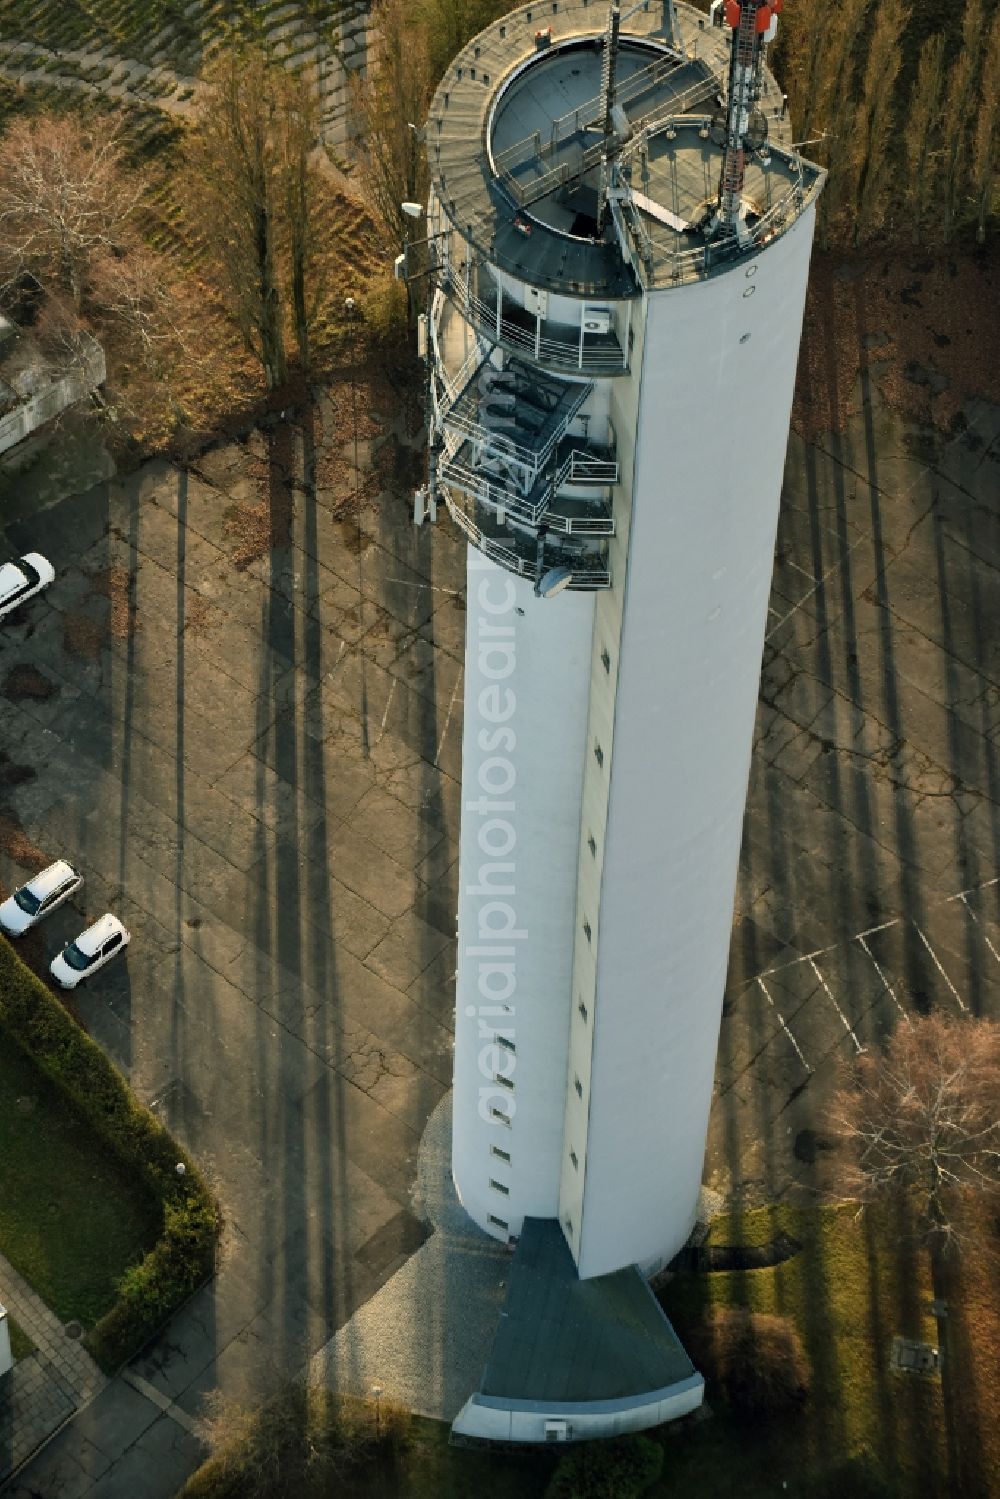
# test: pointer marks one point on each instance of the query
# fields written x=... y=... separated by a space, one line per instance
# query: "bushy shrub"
x=306 y=1440
x=183 y=1256
x=756 y=1360
x=858 y=1477
x=620 y=1469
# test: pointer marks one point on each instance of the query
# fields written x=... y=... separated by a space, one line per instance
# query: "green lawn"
x=864 y=1431
x=20 y=1344
x=71 y=1218
x=856 y=1283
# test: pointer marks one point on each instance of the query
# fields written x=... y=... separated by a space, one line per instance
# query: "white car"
x=27 y=906
x=91 y=950
x=23 y=579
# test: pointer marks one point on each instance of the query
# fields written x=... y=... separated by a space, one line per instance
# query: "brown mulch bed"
x=924 y=324
x=27 y=683
x=114 y=584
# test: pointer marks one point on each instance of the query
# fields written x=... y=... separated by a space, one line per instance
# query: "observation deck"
x=515 y=138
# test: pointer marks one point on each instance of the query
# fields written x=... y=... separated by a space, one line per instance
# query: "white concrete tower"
x=621 y=271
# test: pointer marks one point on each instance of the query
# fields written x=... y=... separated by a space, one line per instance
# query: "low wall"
x=497 y=1420
x=74 y=386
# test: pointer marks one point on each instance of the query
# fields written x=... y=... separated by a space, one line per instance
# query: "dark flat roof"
x=563 y=1340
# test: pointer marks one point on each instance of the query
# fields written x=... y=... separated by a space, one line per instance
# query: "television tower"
x=621 y=276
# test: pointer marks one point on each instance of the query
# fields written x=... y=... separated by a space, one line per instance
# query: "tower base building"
x=622 y=232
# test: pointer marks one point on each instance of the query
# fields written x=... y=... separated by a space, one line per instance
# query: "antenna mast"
x=608 y=85
x=754 y=23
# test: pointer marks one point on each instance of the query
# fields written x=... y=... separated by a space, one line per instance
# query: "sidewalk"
x=46 y=1387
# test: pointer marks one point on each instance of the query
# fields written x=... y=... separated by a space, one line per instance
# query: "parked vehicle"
x=91 y=950
x=21 y=580
x=43 y=892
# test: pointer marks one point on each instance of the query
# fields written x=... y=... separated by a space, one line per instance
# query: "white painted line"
x=986 y=935
x=456 y=593
x=818 y=584
x=385 y=715
x=451 y=709
x=870 y=931
x=843 y=1018
x=784 y=1027
x=878 y=969
x=161 y=1401
x=937 y=965
x=975 y=889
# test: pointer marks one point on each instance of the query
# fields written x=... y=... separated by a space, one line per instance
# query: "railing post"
x=583 y=318
x=499 y=305
x=538 y=333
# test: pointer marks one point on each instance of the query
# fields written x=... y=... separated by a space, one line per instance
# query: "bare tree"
x=235 y=154
x=392 y=103
x=923 y=1119
x=834 y=88
x=985 y=141
x=922 y=130
x=873 y=127
x=804 y=37
x=962 y=82
x=65 y=199
x=298 y=125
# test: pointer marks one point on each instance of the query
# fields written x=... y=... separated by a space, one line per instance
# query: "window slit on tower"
x=500 y=1187
x=598 y=754
x=505 y=1042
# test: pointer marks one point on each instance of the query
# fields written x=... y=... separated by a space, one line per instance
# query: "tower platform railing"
x=563 y=346
x=588 y=569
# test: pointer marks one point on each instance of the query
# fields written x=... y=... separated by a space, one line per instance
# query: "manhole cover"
x=73 y=1330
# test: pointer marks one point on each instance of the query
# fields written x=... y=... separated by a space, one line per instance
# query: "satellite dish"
x=553 y=582
x=412 y=210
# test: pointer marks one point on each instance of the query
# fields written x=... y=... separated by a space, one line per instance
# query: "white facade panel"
x=716 y=389
x=527 y=1420
x=526 y=695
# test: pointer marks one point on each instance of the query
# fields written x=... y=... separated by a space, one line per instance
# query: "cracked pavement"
x=257 y=767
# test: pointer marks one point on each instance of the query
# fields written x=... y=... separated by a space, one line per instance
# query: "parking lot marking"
x=783 y=1024
x=843 y=1018
x=456 y=593
x=451 y=709
x=388 y=705
x=986 y=935
x=878 y=969
x=937 y=965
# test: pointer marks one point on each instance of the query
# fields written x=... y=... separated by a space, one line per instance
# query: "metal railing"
x=589 y=114
x=586 y=575
x=583 y=468
x=480 y=486
x=570 y=351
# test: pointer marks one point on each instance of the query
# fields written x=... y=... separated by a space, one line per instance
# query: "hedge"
x=623 y=1468
x=184 y=1255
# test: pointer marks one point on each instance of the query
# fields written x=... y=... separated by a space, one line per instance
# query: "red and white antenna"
x=754 y=23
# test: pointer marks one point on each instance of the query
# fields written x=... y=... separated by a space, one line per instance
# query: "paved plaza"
x=255 y=762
